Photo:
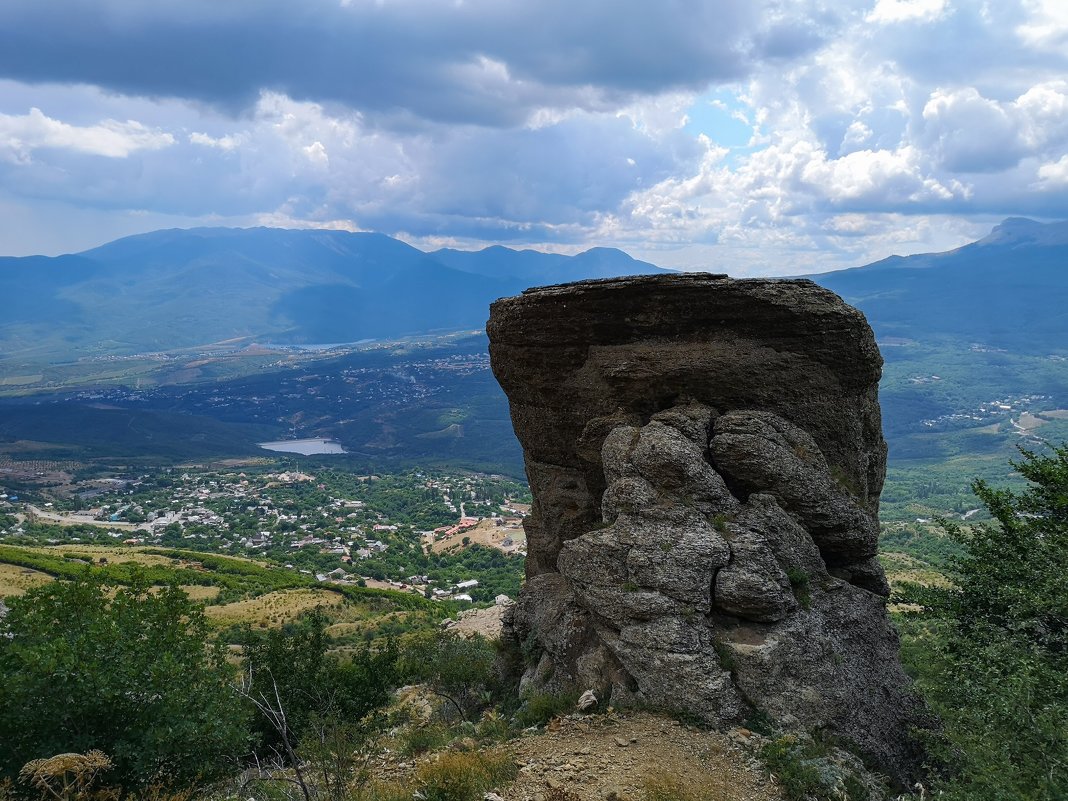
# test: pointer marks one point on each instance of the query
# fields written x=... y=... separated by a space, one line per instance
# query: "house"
x=463 y=596
x=466 y=585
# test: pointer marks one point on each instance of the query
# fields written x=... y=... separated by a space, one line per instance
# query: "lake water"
x=305 y=447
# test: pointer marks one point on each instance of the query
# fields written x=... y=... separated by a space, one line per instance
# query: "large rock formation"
x=706 y=457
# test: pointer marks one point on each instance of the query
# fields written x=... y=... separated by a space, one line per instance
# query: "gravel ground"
x=617 y=757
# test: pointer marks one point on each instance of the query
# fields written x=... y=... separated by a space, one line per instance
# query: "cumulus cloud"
x=891 y=11
x=21 y=135
x=1046 y=25
x=768 y=136
x=970 y=133
x=1054 y=175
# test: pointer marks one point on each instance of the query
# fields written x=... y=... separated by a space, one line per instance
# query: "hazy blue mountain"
x=1008 y=290
x=181 y=288
x=534 y=267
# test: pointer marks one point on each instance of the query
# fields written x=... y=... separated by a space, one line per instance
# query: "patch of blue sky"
x=724 y=119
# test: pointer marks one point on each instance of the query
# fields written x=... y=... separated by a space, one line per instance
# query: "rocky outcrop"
x=706 y=457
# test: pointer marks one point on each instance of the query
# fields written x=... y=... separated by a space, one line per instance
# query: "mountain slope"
x=1007 y=290
x=534 y=267
x=183 y=288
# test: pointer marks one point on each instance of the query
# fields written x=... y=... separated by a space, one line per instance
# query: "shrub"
x=458 y=670
x=130 y=672
x=420 y=739
x=464 y=776
x=799 y=582
x=298 y=688
x=810 y=771
x=541 y=708
x=672 y=788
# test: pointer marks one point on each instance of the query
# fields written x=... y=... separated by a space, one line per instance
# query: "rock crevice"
x=706 y=457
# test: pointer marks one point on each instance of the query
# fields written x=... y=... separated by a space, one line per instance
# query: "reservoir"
x=305 y=447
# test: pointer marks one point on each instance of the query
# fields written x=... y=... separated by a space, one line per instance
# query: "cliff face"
x=706 y=458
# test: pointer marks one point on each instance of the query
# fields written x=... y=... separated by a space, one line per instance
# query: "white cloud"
x=891 y=11
x=1054 y=175
x=1043 y=112
x=21 y=135
x=1046 y=25
x=226 y=143
x=969 y=133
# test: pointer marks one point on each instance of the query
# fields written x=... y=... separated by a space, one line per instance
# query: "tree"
x=128 y=671
x=1014 y=575
x=313 y=710
x=295 y=683
x=458 y=670
x=993 y=658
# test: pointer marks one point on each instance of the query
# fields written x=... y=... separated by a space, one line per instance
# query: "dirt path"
x=628 y=758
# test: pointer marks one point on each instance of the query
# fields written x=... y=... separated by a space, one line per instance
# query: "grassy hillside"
x=237 y=591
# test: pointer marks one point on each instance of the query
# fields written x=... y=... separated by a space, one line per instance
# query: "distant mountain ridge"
x=180 y=288
x=1008 y=290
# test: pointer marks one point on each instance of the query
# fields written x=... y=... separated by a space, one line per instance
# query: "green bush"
x=807 y=771
x=540 y=708
x=420 y=739
x=296 y=685
x=464 y=776
x=458 y=670
x=127 y=671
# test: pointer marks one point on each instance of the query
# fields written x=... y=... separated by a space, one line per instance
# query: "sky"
x=753 y=137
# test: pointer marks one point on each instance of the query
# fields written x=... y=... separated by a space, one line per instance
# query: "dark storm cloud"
x=480 y=61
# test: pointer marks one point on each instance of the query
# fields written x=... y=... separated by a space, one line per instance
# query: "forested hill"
x=181 y=288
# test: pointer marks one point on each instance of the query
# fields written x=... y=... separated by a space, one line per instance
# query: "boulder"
x=706 y=457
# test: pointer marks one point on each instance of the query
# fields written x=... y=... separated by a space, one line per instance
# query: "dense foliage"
x=457 y=669
x=289 y=671
x=128 y=671
x=991 y=652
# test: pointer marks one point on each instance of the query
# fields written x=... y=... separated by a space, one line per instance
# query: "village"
x=447 y=536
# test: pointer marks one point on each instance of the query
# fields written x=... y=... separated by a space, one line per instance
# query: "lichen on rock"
x=706 y=457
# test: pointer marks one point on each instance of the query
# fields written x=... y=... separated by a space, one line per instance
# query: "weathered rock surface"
x=706 y=457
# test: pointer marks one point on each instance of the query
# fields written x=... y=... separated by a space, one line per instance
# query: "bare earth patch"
x=1028 y=421
x=1055 y=414
x=200 y=592
x=486 y=533
x=596 y=757
x=636 y=756
x=15 y=580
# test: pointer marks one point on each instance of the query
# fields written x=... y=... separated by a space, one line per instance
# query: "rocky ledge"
x=706 y=457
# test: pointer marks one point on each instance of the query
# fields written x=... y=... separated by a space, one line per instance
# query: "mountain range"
x=183 y=288
x=1007 y=290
